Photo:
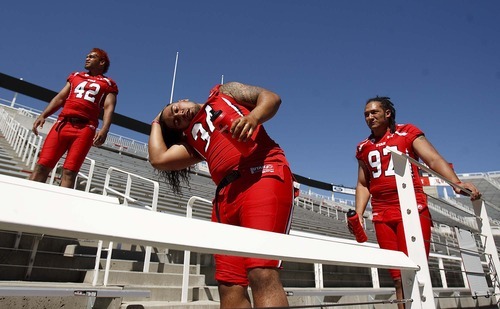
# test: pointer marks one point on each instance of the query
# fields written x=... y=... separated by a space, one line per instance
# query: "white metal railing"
x=25 y=143
x=88 y=177
x=175 y=232
x=126 y=195
x=115 y=141
x=27 y=112
x=324 y=205
x=128 y=145
x=187 y=253
x=413 y=233
x=152 y=230
x=318 y=273
x=452 y=215
x=13 y=104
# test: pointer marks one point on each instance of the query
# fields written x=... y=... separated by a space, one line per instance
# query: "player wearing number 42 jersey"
x=82 y=98
x=376 y=177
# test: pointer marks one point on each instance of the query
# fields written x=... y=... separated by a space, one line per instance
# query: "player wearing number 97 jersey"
x=376 y=156
x=376 y=178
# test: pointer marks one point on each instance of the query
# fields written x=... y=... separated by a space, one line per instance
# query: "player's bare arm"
x=263 y=105
x=176 y=157
x=109 y=108
x=362 y=192
x=425 y=150
x=243 y=94
x=53 y=106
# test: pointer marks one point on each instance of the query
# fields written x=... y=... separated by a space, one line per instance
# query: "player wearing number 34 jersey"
x=254 y=189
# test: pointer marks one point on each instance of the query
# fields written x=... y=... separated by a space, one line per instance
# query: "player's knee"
x=40 y=173
x=263 y=277
x=68 y=178
x=69 y=174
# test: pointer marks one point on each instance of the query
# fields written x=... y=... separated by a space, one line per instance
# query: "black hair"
x=173 y=177
x=386 y=104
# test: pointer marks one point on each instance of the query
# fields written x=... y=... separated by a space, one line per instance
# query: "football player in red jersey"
x=254 y=189
x=376 y=177
x=82 y=99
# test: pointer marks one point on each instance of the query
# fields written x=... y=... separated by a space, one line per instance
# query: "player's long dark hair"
x=173 y=178
x=386 y=104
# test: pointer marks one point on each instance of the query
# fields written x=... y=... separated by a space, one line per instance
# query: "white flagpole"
x=173 y=80
x=222 y=79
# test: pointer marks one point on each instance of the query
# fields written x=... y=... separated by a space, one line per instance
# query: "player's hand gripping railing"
x=126 y=199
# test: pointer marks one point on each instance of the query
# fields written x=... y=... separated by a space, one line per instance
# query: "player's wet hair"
x=386 y=104
x=171 y=137
x=103 y=56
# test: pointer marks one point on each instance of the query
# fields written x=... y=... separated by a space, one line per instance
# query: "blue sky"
x=439 y=61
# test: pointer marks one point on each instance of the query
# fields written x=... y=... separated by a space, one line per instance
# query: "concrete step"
x=127 y=256
x=14 y=173
x=170 y=305
x=138 y=278
x=10 y=166
x=154 y=267
x=53 y=295
x=173 y=293
x=10 y=163
x=7 y=160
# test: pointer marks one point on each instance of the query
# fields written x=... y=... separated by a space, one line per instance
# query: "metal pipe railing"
x=126 y=199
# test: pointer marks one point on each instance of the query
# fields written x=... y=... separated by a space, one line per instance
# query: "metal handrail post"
x=108 y=263
x=375 y=278
x=97 y=263
x=318 y=275
x=37 y=150
x=126 y=198
x=187 y=253
x=416 y=285
x=90 y=175
x=154 y=206
x=489 y=242
x=442 y=273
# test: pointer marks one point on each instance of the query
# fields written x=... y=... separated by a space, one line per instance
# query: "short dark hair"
x=386 y=104
x=103 y=56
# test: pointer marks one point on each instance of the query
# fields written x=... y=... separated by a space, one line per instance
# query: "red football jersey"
x=87 y=95
x=377 y=158
x=218 y=151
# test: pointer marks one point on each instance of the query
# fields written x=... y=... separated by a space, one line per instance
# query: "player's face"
x=376 y=117
x=179 y=114
x=92 y=61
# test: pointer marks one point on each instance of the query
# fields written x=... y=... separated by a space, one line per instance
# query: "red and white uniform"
x=87 y=95
x=221 y=156
x=261 y=198
x=386 y=209
x=84 y=103
x=377 y=158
